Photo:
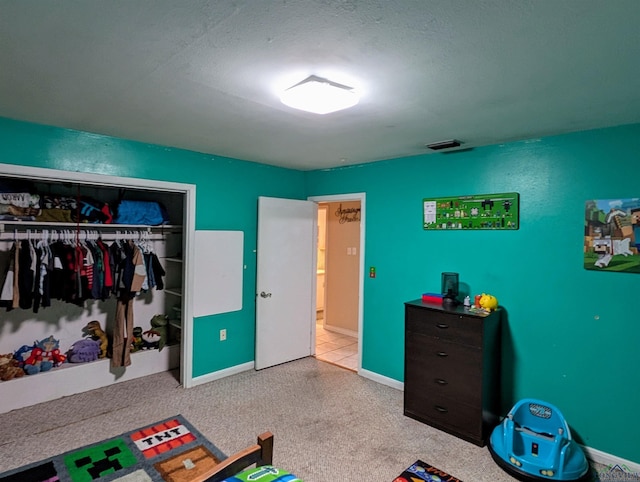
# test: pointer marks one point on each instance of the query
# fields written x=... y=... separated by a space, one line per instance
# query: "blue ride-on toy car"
x=534 y=443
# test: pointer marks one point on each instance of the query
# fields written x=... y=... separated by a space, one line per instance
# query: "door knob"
x=265 y=295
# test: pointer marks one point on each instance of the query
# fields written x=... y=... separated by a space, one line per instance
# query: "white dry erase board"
x=218 y=272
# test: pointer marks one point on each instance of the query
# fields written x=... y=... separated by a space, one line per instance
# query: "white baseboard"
x=390 y=382
x=209 y=377
x=609 y=460
x=340 y=331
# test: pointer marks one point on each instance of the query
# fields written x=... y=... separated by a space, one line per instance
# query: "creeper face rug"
x=171 y=450
x=92 y=463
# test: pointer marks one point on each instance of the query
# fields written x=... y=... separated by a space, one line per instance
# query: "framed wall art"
x=479 y=211
x=612 y=235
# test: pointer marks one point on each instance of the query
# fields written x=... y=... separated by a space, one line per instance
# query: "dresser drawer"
x=445 y=413
x=440 y=366
x=462 y=329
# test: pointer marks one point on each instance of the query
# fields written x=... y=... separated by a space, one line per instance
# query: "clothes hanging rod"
x=71 y=236
x=10 y=226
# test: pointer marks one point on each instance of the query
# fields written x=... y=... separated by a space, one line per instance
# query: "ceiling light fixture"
x=319 y=96
x=436 y=146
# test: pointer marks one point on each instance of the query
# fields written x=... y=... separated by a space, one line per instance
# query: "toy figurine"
x=136 y=341
x=94 y=330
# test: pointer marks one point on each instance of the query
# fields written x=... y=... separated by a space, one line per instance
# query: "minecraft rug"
x=420 y=471
x=170 y=450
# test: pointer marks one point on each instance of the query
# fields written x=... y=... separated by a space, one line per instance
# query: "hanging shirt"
x=25 y=275
x=6 y=294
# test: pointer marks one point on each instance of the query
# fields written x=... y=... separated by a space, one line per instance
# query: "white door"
x=286 y=274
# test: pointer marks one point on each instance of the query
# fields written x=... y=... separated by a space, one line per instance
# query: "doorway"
x=340 y=279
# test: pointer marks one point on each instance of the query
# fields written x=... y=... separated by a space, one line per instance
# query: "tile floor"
x=341 y=350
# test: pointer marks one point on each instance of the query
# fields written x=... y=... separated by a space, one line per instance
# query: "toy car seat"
x=534 y=443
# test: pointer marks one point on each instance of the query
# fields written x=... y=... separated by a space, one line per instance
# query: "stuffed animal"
x=83 y=351
x=9 y=368
x=22 y=353
x=44 y=356
x=94 y=330
x=156 y=337
x=488 y=302
x=150 y=340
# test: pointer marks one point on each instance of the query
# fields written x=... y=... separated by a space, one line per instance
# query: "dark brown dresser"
x=452 y=369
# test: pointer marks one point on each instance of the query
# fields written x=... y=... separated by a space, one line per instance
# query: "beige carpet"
x=329 y=423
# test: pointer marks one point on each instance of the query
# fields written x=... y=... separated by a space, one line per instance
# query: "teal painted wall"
x=227 y=193
x=571 y=336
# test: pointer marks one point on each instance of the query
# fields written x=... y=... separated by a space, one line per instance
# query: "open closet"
x=65 y=317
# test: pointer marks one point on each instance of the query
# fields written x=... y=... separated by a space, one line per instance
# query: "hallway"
x=341 y=350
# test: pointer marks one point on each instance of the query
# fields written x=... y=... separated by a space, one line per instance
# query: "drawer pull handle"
x=442 y=354
x=442 y=326
x=440 y=409
x=440 y=381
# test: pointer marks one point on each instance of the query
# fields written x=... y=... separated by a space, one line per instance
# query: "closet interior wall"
x=66 y=321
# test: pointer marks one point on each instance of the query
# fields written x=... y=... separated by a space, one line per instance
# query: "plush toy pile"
x=44 y=355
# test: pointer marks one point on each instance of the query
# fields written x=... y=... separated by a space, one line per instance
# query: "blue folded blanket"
x=148 y=213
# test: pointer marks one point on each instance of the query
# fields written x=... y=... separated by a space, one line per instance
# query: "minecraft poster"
x=481 y=211
x=612 y=235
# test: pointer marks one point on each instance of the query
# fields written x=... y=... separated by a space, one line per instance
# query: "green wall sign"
x=482 y=211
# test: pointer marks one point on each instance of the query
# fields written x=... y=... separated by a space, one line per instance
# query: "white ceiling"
x=204 y=74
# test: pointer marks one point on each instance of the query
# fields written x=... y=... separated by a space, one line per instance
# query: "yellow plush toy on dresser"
x=488 y=302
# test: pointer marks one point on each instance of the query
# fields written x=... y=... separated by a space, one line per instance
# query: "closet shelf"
x=21 y=225
x=173 y=291
x=174 y=260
